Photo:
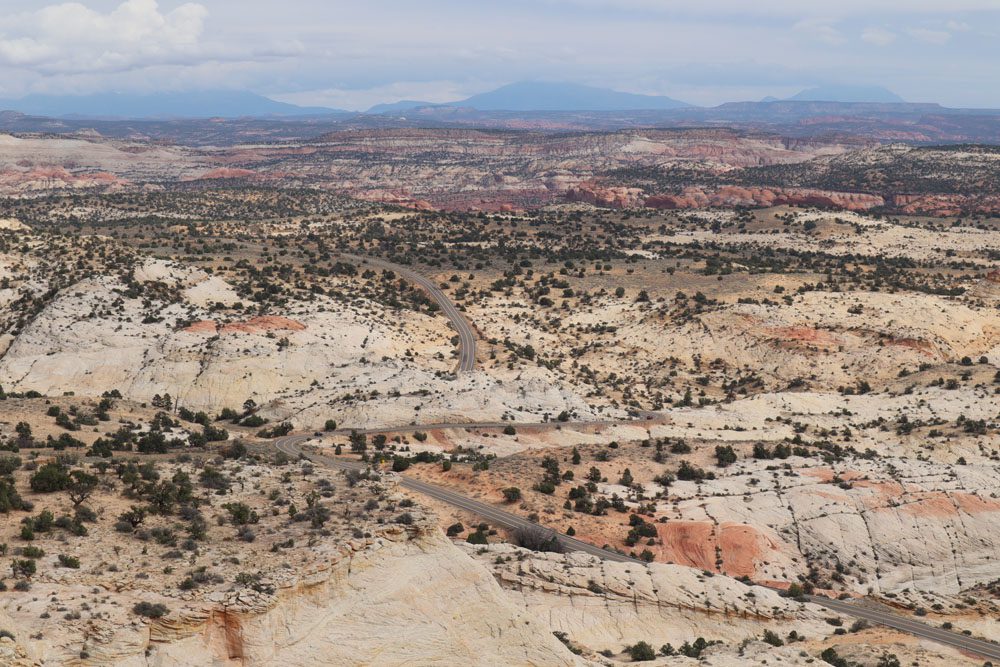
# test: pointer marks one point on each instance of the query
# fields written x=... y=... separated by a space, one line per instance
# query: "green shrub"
x=23 y=568
x=150 y=610
x=641 y=652
x=69 y=561
x=477 y=537
x=50 y=478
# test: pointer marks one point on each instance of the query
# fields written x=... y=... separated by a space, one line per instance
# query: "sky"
x=355 y=54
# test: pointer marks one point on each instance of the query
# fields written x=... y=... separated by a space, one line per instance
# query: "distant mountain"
x=541 y=96
x=399 y=107
x=863 y=94
x=210 y=104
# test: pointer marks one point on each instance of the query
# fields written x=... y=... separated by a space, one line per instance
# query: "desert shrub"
x=8 y=464
x=831 y=657
x=725 y=455
x=150 y=610
x=696 y=648
x=133 y=518
x=546 y=487
x=476 y=537
x=69 y=561
x=213 y=478
x=680 y=447
x=278 y=430
x=888 y=660
x=772 y=638
x=241 y=514
x=50 y=478
x=795 y=591
x=81 y=486
x=23 y=567
x=315 y=513
x=538 y=538
x=234 y=450
x=215 y=434
x=73 y=525
x=687 y=472
x=9 y=497
x=641 y=652
x=41 y=523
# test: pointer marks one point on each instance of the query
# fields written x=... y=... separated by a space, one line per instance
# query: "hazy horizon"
x=341 y=55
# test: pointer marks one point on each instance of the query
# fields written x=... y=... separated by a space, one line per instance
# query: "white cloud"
x=72 y=37
x=929 y=36
x=823 y=30
x=802 y=8
x=878 y=36
x=347 y=54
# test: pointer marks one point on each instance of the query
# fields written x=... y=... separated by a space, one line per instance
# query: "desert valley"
x=748 y=383
x=400 y=334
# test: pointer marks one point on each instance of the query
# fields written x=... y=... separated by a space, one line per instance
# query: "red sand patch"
x=694 y=543
x=829 y=495
x=937 y=506
x=822 y=474
x=254 y=325
x=973 y=504
x=688 y=543
x=882 y=493
x=263 y=325
x=442 y=439
x=943 y=505
x=203 y=326
x=827 y=475
x=921 y=346
x=743 y=547
x=803 y=335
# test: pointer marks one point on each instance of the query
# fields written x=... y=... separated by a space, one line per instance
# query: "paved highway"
x=524 y=426
x=466 y=337
x=291 y=445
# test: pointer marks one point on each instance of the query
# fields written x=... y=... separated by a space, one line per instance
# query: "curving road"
x=523 y=426
x=466 y=336
x=291 y=445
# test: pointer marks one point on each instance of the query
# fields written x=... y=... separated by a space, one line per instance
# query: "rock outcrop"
x=401 y=599
x=731 y=196
x=602 y=604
